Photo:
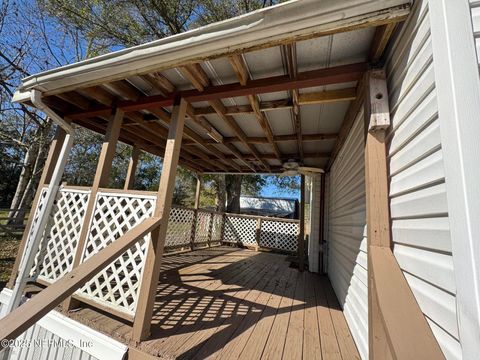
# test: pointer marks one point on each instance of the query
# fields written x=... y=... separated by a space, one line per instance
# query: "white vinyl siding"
x=475 y=11
x=418 y=202
x=58 y=337
x=347 y=244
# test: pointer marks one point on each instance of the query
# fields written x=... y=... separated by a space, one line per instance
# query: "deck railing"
x=115 y=288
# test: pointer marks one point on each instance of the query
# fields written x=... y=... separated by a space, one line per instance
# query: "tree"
x=39 y=35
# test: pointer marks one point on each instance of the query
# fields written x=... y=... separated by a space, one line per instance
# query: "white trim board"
x=458 y=92
x=103 y=347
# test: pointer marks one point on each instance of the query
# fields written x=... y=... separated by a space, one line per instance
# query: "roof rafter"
x=240 y=67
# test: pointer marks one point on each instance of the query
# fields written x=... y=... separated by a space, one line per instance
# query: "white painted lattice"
x=279 y=235
x=240 y=230
x=202 y=227
x=57 y=249
x=118 y=284
x=217 y=228
x=36 y=218
x=179 y=228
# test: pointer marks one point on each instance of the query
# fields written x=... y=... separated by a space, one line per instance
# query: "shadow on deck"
x=230 y=303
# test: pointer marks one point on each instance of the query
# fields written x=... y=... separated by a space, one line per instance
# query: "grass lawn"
x=8 y=252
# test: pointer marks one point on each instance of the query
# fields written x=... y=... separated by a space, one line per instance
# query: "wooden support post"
x=301 y=234
x=195 y=212
x=48 y=168
x=198 y=191
x=193 y=233
x=222 y=229
x=132 y=167
x=258 y=233
x=100 y=180
x=151 y=271
x=210 y=230
x=377 y=118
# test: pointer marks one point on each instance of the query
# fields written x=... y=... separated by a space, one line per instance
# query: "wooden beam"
x=132 y=168
x=198 y=191
x=318 y=97
x=151 y=272
x=292 y=69
x=347 y=123
x=278 y=138
x=328 y=76
x=230 y=121
x=380 y=41
x=272 y=156
x=376 y=100
x=25 y=316
x=301 y=233
x=101 y=179
x=240 y=68
x=329 y=96
x=200 y=80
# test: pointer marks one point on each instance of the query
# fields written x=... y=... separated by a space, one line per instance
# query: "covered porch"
x=243 y=96
x=229 y=303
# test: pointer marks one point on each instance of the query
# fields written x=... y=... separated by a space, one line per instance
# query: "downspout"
x=38 y=227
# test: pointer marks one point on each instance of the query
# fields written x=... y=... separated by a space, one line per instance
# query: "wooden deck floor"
x=228 y=303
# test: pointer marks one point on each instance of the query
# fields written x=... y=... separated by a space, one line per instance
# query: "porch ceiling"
x=250 y=107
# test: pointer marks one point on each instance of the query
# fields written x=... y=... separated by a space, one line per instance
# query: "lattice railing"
x=240 y=229
x=270 y=233
x=279 y=235
x=179 y=231
x=115 y=213
x=55 y=256
x=202 y=228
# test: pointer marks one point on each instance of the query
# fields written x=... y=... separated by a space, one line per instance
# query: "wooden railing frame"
x=397 y=328
x=22 y=318
x=102 y=175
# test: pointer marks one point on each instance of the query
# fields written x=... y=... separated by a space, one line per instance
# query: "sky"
x=61 y=51
x=271 y=190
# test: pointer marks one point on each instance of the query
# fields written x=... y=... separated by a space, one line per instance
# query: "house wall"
x=347 y=245
x=475 y=13
x=418 y=196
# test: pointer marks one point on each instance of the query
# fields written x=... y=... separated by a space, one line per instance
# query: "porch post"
x=377 y=203
x=132 y=167
x=198 y=190
x=101 y=178
x=151 y=271
x=301 y=233
x=45 y=179
x=195 y=212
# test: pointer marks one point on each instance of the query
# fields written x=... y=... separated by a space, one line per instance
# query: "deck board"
x=229 y=303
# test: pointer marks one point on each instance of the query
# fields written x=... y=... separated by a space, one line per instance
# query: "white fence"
x=115 y=212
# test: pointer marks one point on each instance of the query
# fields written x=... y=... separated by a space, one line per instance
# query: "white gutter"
x=293 y=20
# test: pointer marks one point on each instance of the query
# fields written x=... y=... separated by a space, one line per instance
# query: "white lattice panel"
x=114 y=214
x=217 y=228
x=202 y=227
x=279 y=235
x=179 y=228
x=57 y=249
x=40 y=204
x=240 y=230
